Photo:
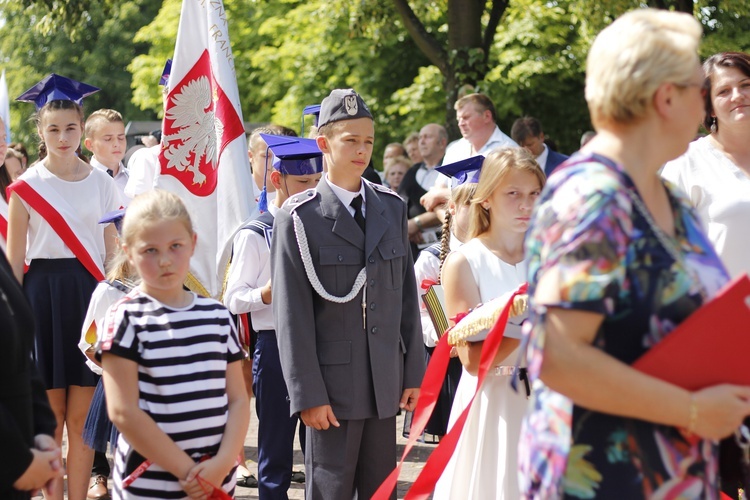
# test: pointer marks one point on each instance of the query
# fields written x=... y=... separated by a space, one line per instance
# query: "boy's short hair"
x=330 y=129
x=100 y=117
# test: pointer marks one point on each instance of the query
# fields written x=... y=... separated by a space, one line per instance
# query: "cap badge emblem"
x=350 y=102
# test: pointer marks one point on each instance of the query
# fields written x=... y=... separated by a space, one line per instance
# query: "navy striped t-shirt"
x=182 y=356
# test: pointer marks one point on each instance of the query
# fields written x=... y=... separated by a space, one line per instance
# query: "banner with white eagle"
x=204 y=151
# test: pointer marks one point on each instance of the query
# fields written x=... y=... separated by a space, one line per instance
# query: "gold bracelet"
x=693 y=418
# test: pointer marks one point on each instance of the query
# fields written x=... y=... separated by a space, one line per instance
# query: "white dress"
x=485 y=462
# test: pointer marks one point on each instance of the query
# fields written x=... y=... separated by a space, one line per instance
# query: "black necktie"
x=111 y=172
x=358 y=217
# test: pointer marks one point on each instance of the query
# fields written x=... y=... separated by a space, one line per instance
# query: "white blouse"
x=720 y=192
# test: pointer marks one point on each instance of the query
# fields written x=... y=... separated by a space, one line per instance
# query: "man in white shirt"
x=480 y=134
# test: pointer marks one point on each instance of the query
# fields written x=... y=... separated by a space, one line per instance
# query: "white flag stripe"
x=217 y=215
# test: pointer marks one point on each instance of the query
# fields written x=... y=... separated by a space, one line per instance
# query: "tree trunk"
x=450 y=85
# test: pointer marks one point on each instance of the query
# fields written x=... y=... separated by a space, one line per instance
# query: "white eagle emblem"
x=350 y=103
x=198 y=129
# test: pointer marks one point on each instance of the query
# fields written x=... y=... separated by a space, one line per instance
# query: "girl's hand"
x=211 y=471
x=720 y=409
x=192 y=487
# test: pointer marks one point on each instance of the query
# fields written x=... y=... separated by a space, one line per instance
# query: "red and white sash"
x=63 y=219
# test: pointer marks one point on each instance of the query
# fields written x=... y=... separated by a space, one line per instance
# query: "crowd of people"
x=321 y=321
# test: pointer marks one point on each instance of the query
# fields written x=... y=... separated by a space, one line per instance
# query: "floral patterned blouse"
x=587 y=228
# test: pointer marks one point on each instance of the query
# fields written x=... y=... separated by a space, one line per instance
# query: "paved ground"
x=413 y=465
x=409 y=472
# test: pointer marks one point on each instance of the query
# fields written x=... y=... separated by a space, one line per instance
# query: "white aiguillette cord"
x=312 y=276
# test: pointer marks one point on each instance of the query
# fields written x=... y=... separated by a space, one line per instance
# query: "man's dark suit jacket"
x=553 y=160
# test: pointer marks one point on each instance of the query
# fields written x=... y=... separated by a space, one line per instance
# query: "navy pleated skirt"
x=98 y=429
x=59 y=291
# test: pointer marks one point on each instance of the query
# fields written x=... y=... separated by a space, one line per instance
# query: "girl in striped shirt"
x=174 y=385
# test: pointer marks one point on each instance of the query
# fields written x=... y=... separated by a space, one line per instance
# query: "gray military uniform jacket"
x=327 y=356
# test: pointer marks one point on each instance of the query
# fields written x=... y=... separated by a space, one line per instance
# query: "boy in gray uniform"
x=346 y=310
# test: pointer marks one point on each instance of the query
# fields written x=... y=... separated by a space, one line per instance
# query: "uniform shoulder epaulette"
x=382 y=189
x=293 y=202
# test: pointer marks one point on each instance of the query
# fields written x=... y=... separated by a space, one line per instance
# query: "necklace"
x=74 y=177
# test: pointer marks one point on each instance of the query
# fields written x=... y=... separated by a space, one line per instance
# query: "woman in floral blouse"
x=617 y=261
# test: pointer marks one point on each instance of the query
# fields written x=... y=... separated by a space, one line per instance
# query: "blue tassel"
x=263 y=200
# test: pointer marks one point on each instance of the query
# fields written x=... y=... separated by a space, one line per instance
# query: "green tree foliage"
x=63 y=15
x=98 y=55
x=406 y=57
x=289 y=54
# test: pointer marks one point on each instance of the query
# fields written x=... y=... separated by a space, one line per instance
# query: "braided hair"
x=460 y=195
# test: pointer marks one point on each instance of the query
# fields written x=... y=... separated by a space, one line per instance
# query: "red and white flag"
x=204 y=151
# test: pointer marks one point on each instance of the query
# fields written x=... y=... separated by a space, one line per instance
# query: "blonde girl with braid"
x=427 y=269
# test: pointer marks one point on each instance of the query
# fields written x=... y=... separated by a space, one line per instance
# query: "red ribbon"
x=213 y=491
x=3 y=228
x=429 y=392
x=458 y=317
x=427 y=283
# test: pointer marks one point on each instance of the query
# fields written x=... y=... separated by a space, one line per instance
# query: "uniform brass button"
x=372 y=282
x=372 y=306
x=371 y=260
x=341 y=258
x=393 y=250
x=374 y=329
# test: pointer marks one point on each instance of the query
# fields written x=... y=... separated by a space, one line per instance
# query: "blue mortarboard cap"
x=115 y=216
x=294 y=155
x=312 y=109
x=57 y=88
x=165 y=73
x=463 y=171
x=342 y=104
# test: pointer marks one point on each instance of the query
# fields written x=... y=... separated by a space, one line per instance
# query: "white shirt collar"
x=542 y=158
x=273 y=208
x=346 y=197
x=101 y=166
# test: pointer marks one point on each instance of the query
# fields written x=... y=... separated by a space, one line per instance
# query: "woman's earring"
x=714 y=128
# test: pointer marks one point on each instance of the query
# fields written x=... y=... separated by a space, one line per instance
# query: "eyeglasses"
x=700 y=85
